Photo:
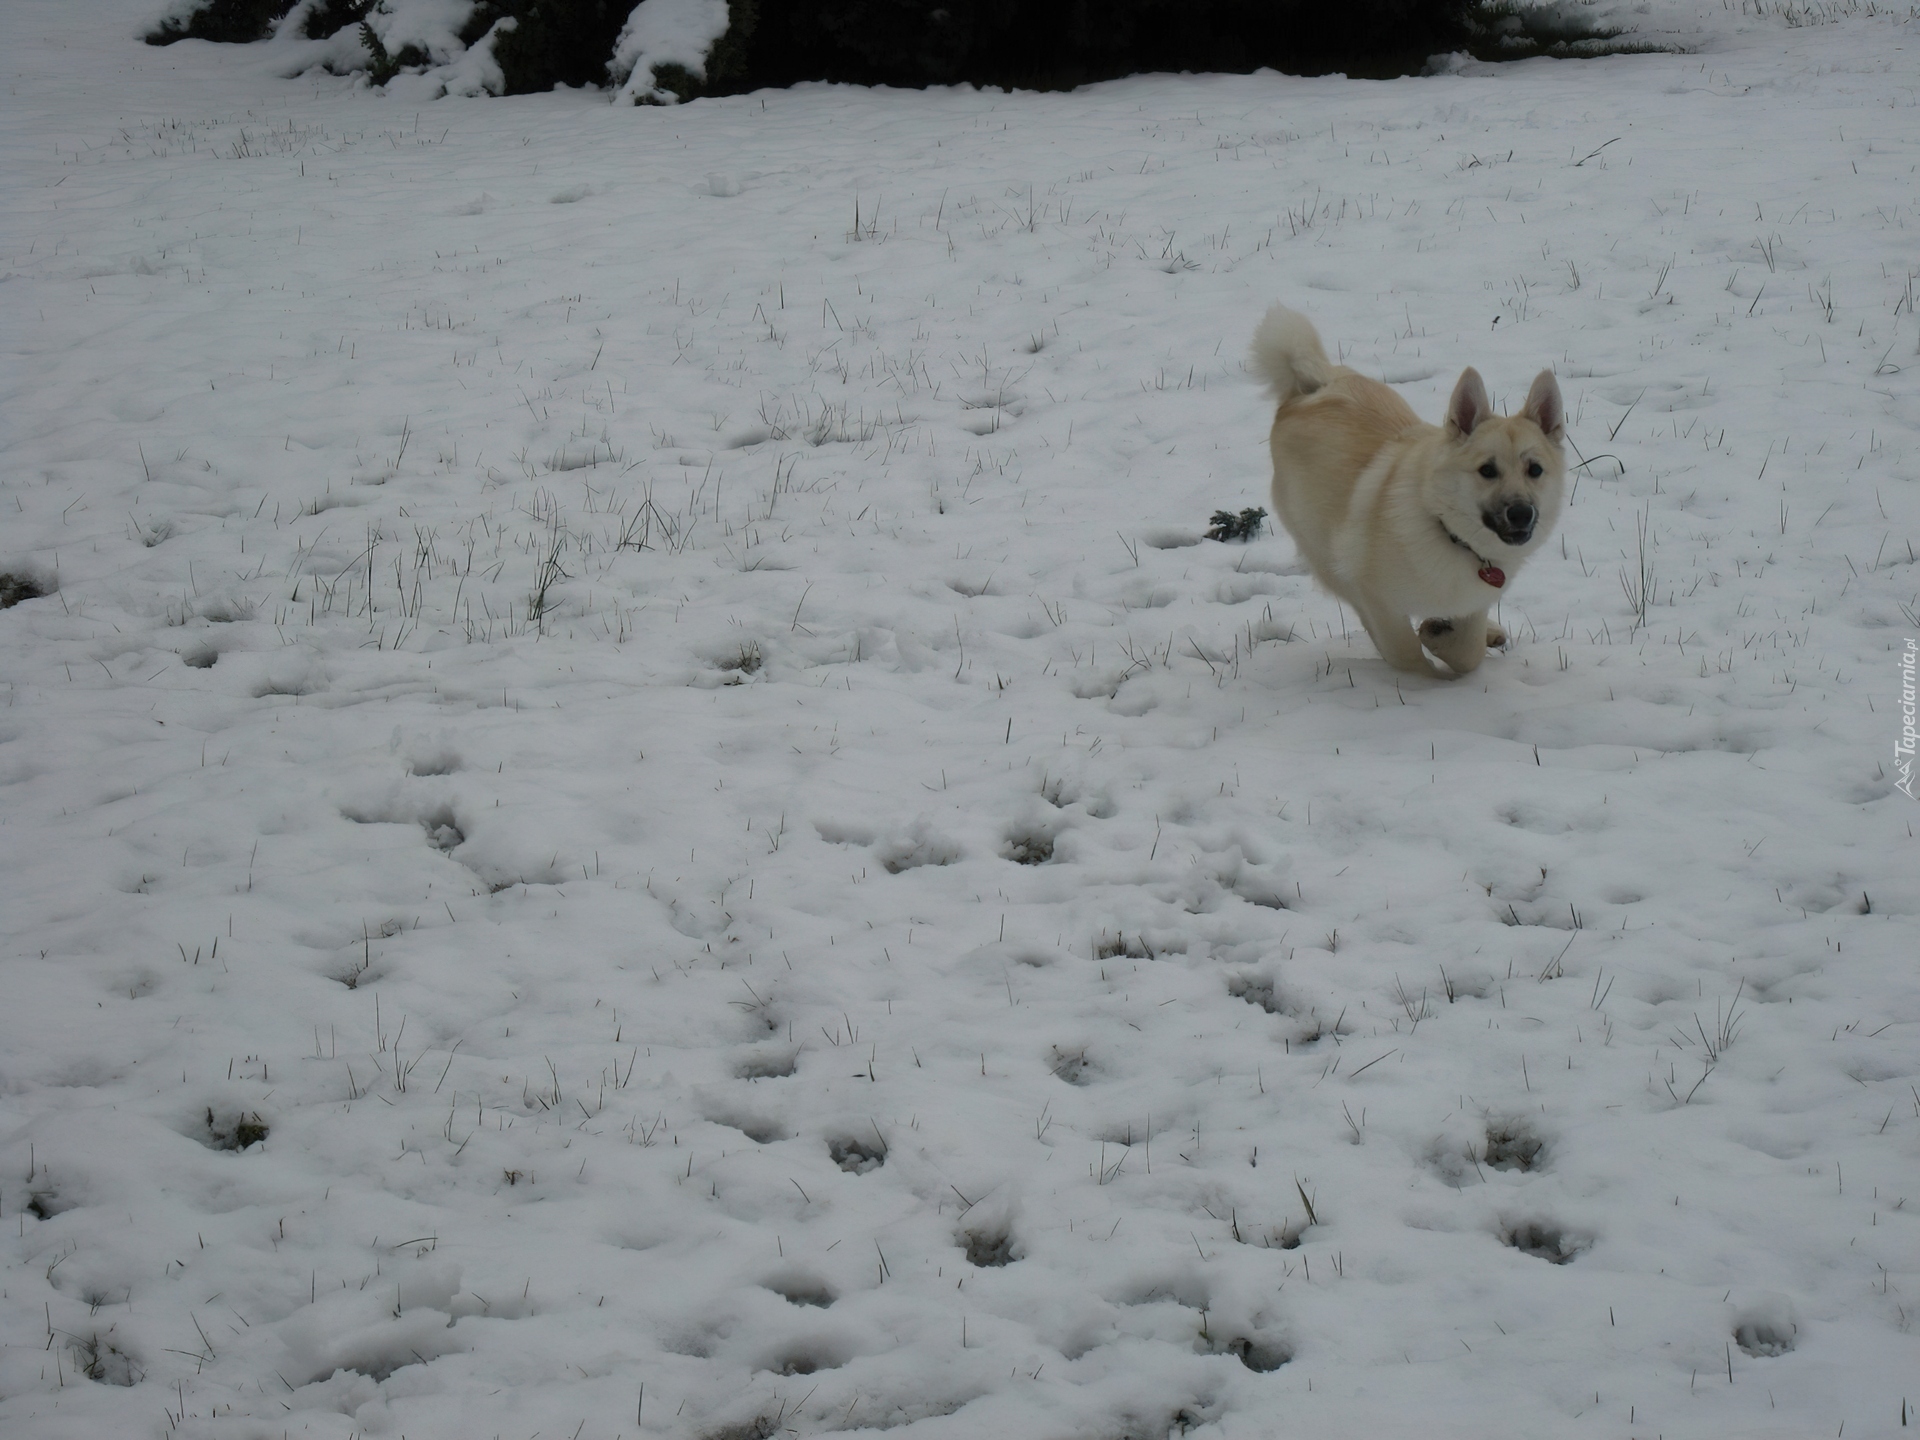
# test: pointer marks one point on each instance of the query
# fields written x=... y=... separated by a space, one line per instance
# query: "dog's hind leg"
x=1461 y=642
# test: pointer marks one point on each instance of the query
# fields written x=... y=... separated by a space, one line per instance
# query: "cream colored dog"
x=1400 y=518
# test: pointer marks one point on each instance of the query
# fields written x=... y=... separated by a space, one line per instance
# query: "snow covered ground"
x=562 y=871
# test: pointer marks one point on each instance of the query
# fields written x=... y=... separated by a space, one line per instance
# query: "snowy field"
x=561 y=872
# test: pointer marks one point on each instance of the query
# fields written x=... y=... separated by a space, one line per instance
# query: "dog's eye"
x=1490 y=471
x=1535 y=469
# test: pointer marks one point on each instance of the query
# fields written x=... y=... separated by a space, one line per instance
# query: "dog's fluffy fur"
x=1400 y=518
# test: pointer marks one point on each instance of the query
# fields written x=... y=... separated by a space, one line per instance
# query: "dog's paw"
x=1439 y=629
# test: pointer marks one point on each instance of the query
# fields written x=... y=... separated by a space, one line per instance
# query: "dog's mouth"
x=1513 y=523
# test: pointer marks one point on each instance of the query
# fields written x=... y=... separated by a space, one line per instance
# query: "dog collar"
x=1489 y=572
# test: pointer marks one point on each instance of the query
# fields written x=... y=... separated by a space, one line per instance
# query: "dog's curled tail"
x=1288 y=355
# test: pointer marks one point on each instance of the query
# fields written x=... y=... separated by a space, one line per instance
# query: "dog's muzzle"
x=1513 y=523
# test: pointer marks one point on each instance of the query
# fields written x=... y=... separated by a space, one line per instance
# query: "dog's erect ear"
x=1544 y=407
x=1469 y=405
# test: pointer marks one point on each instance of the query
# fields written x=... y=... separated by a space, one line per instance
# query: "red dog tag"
x=1493 y=575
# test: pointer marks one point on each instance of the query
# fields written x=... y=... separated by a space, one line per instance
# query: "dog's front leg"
x=1461 y=642
x=1394 y=637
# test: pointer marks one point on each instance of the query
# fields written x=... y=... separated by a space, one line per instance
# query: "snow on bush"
x=663 y=50
x=417 y=49
x=424 y=49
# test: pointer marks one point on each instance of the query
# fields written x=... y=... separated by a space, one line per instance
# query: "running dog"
x=1403 y=519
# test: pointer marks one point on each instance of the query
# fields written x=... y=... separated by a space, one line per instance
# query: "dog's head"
x=1499 y=485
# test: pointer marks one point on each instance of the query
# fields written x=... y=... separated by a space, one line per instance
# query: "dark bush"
x=1028 y=44
x=239 y=22
x=16 y=588
x=1052 y=44
x=383 y=64
x=234 y=22
x=552 y=42
x=335 y=15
